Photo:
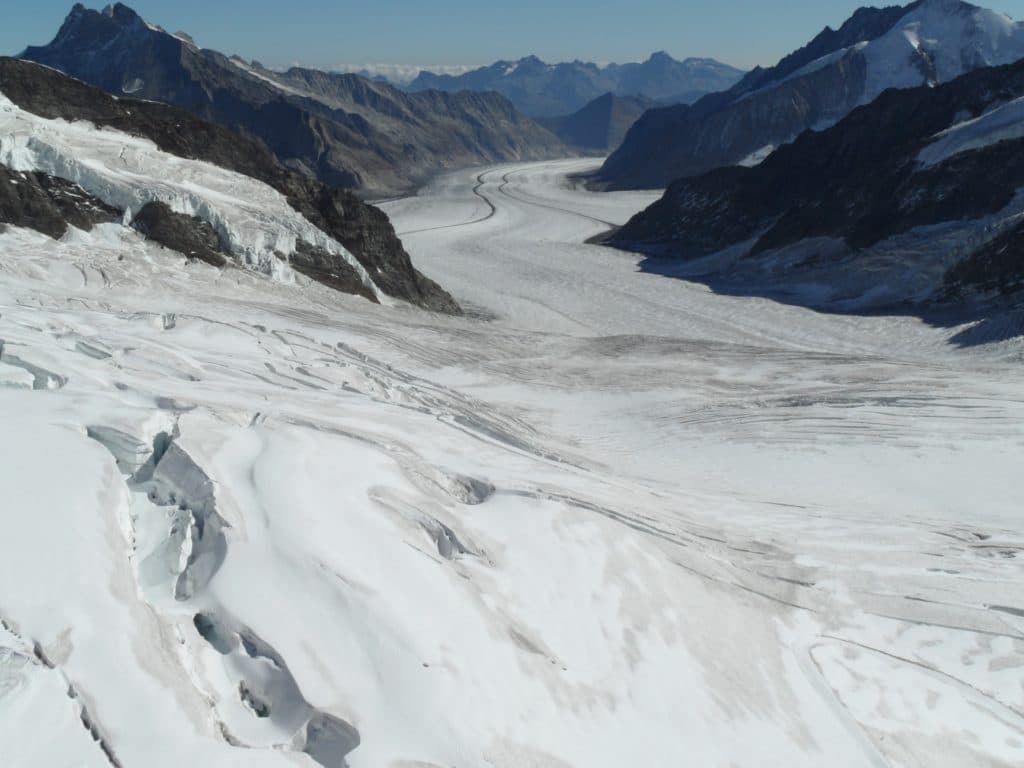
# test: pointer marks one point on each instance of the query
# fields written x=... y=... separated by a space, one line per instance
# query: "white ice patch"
x=263 y=77
x=758 y=156
x=1003 y=123
x=253 y=220
x=134 y=85
x=824 y=61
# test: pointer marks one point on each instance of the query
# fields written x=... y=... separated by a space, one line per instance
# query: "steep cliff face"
x=341 y=129
x=927 y=42
x=913 y=198
x=362 y=229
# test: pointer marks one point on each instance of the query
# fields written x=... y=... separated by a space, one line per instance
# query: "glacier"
x=604 y=519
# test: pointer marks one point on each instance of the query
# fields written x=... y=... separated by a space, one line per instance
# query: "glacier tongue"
x=254 y=222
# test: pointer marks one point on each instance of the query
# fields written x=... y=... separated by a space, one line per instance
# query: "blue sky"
x=325 y=33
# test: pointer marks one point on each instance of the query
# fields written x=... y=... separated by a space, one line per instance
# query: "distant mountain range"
x=914 y=200
x=539 y=89
x=926 y=42
x=601 y=125
x=343 y=129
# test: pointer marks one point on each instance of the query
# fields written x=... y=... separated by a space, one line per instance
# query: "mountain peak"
x=82 y=20
x=122 y=14
x=943 y=5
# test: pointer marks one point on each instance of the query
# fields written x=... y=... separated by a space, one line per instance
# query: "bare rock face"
x=187 y=235
x=363 y=229
x=368 y=234
x=49 y=205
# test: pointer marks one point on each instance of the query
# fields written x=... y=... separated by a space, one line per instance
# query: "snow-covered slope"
x=624 y=521
x=1004 y=122
x=254 y=221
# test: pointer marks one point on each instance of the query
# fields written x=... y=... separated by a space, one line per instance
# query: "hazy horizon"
x=457 y=34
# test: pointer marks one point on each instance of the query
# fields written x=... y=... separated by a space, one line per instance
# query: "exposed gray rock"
x=342 y=129
x=326 y=268
x=49 y=205
x=187 y=235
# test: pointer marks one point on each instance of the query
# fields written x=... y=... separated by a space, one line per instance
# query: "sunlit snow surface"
x=608 y=519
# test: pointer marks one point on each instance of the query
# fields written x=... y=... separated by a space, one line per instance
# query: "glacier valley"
x=603 y=519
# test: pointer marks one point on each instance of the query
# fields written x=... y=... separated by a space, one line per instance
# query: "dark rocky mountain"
x=551 y=90
x=929 y=41
x=913 y=200
x=602 y=124
x=48 y=204
x=347 y=131
x=362 y=229
x=188 y=235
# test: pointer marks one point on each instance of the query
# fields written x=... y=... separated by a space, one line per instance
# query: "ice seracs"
x=255 y=223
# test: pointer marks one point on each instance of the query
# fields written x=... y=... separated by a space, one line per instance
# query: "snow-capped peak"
x=933 y=42
x=937 y=41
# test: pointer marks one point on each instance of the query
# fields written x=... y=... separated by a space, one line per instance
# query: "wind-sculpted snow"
x=605 y=519
x=253 y=221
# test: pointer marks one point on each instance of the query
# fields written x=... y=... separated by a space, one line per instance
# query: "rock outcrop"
x=48 y=204
x=187 y=235
x=914 y=199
